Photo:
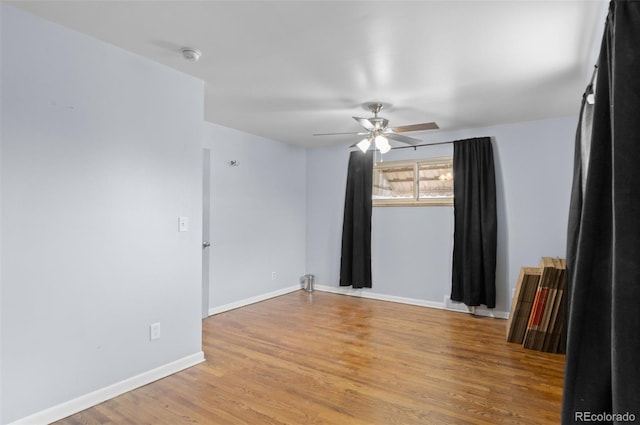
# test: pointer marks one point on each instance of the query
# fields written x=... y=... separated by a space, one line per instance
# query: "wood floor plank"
x=332 y=359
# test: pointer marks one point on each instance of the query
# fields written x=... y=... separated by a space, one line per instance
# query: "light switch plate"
x=154 y=331
x=183 y=224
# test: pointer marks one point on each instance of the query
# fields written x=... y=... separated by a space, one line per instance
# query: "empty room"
x=319 y=212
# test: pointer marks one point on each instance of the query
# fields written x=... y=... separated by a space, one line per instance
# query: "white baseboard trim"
x=86 y=401
x=252 y=300
x=368 y=293
x=446 y=305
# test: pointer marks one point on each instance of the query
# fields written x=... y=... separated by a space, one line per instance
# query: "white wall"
x=257 y=215
x=326 y=184
x=412 y=246
x=101 y=153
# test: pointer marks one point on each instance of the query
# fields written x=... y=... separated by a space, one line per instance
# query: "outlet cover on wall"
x=154 y=331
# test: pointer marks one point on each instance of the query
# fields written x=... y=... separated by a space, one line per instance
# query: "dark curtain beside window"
x=602 y=373
x=475 y=223
x=355 y=263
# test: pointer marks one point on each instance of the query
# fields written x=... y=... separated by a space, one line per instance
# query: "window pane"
x=394 y=182
x=436 y=180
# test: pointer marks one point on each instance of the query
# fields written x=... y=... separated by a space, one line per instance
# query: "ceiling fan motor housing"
x=379 y=123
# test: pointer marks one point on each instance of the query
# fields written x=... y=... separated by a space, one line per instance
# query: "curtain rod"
x=429 y=144
x=421 y=145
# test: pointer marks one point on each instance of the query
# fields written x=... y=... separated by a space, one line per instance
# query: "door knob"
x=205 y=244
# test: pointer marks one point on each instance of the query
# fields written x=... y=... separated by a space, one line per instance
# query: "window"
x=415 y=182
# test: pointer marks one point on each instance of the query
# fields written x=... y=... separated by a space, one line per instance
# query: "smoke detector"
x=192 y=55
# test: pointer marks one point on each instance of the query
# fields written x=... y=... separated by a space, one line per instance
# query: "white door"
x=206 y=199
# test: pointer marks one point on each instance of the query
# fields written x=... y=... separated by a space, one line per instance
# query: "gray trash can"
x=307 y=282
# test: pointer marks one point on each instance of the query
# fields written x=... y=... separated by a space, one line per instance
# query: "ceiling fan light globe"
x=381 y=140
x=364 y=144
x=382 y=144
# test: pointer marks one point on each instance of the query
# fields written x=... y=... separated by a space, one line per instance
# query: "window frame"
x=415 y=201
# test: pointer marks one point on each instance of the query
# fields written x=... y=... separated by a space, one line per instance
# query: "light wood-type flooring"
x=323 y=358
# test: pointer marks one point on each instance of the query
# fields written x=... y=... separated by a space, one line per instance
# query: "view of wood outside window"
x=416 y=182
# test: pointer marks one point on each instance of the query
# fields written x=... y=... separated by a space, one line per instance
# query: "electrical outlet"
x=273 y=275
x=154 y=331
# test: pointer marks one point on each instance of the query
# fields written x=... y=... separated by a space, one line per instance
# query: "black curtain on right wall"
x=602 y=374
x=475 y=223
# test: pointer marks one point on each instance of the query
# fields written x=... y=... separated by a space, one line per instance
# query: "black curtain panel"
x=475 y=223
x=602 y=373
x=355 y=263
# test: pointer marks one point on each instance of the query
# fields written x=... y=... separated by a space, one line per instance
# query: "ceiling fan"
x=378 y=132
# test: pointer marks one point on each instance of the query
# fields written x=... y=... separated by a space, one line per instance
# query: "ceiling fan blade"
x=401 y=138
x=338 y=134
x=365 y=123
x=416 y=127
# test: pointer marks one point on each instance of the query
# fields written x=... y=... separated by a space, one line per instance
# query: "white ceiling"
x=285 y=70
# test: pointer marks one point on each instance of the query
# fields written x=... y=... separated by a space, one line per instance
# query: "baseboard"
x=446 y=305
x=368 y=293
x=252 y=300
x=478 y=311
x=86 y=401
